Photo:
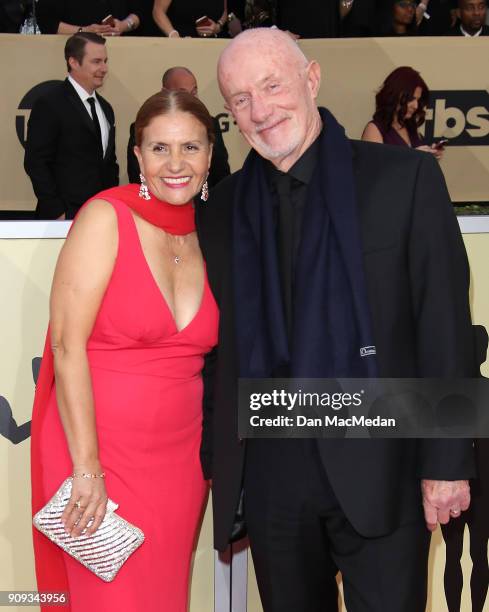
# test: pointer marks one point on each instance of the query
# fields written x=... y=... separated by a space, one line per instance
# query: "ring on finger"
x=78 y=505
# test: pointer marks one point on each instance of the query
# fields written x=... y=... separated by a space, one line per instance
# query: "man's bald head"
x=271 y=89
x=259 y=41
x=180 y=78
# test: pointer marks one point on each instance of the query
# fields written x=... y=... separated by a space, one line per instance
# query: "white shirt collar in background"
x=470 y=35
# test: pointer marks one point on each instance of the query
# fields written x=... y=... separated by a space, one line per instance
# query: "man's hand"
x=443 y=499
x=436 y=152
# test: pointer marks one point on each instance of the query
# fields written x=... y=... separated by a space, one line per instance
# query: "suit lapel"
x=80 y=108
x=109 y=115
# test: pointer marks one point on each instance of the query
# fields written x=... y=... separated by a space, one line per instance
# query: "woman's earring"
x=205 y=192
x=143 y=189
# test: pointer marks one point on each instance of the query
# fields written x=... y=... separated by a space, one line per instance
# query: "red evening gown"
x=147 y=387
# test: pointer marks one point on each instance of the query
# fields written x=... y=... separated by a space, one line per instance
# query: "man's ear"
x=313 y=72
x=72 y=62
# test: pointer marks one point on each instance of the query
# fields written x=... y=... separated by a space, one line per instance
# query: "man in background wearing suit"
x=329 y=258
x=472 y=19
x=179 y=78
x=70 y=149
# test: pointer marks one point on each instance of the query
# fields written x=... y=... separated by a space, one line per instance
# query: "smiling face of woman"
x=174 y=156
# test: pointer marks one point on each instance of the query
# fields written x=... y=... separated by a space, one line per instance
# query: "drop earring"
x=143 y=189
x=204 y=196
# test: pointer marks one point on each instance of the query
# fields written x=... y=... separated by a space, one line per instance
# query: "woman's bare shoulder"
x=372 y=133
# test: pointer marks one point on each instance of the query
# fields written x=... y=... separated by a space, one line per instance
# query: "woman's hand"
x=117 y=29
x=421 y=10
x=88 y=500
x=98 y=28
x=437 y=152
x=123 y=26
x=211 y=29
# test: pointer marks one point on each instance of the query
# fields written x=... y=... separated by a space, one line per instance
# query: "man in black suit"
x=472 y=19
x=70 y=149
x=329 y=258
x=180 y=78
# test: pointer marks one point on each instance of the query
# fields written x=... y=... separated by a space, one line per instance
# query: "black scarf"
x=332 y=334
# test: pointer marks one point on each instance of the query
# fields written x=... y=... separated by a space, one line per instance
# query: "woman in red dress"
x=120 y=389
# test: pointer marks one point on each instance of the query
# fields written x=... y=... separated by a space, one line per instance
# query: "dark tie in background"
x=286 y=244
x=96 y=122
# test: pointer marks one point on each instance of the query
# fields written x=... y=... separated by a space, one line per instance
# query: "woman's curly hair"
x=396 y=91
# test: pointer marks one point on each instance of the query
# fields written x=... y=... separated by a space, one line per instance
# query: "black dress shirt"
x=290 y=194
x=299 y=176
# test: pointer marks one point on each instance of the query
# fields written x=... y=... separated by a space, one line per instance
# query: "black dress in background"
x=80 y=12
x=12 y=15
x=184 y=13
x=440 y=20
x=309 y=18
x=361 y=20
x=147 y=26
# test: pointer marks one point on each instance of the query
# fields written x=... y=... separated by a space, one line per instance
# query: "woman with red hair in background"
x=400 y=108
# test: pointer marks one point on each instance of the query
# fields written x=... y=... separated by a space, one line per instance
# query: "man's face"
x=271 y=95
x=181 y=80
x=92 y=70
x=404 y=12
x=472 y=15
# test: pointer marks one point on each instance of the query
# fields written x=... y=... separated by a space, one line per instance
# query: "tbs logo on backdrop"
x=460 y=116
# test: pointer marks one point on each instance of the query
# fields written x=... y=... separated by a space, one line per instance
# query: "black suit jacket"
x=417 y=281
x=62 y=153
x=219 y=164
x=455 y=31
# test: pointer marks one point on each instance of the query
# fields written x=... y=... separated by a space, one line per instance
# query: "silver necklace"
x=176 y=258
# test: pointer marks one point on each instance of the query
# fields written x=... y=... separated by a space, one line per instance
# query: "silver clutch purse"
x=105 y=551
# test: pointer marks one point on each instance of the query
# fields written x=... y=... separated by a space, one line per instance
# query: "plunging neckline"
x=401 y=137
x=157 y=287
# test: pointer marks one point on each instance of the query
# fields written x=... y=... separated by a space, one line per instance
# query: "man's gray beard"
x=269 y=153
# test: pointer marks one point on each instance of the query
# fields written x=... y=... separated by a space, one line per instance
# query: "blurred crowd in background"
x=226 y=18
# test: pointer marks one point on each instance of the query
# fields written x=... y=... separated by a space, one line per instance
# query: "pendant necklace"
x=177 y=259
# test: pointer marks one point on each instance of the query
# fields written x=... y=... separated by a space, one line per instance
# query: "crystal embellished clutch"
x=105 y=551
